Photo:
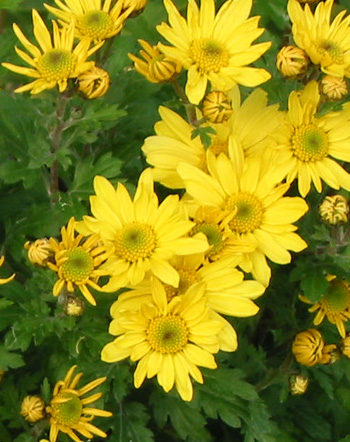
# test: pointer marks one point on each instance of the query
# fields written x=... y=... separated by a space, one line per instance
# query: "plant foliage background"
x=248 y=397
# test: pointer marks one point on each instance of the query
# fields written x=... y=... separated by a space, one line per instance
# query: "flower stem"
x=190 y=108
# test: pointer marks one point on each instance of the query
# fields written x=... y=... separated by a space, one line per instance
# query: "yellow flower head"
x=334 y=209
x=213 y=47
x=327 y=44
x=262 y=216
x=334 y=88
x=334 y=305
x=156 y=67
x=217 y=107
x=292 y=61
x=33 y=408
x=93 y=83
x=5 y=280
x=169 y=340
x=298 y=384
x=144 y=234
x=68 y=412
x=91 y=19
x=307 y=144
x=309 y=348
x=56 y=61
x=76 y=261
x=39 y=251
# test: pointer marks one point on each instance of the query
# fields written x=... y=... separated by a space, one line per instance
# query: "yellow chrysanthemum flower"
x=334 y=305
x=262 y=216
x=56 y=61
x=292 y=61
x=5 y=280
x=307 y=144
x=77 y=261
x=39 y=251
x=169 y=340
x=334 y=88
x=217 y=107
x=309 y=348
x=91 y=19
x=68 y=412
x=145 y=235
x=94 y=83
x=250 y=125
x=213 y=47
x=327 y=44
x=33 y=408
x=334 y=209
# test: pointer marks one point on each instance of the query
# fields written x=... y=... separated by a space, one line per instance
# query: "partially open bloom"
x=155 y=66
x=56 y=61
x=334 y=305
x=292 y=61
x=143 y=234
x=334 y=88
x=136 y=6
x=91 y=19
x=334 y=209
x=76 y=261
x=327 y=44
x=93 y=83
x=309 y=348
x=217 y=107
x=33 y=408
x=169 y=340
x=213 y=47
x=308 y=145
x=298 y=384
x=5 y=280
x=39 y=251
x=68 y=412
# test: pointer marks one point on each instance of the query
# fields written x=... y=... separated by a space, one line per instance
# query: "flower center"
x=330 y=49
x=219 y=146
x=79 y=265
x=309 y=143
x=67 y=409
x=168 y=334
x=213 y=234
x=209 y=55
x=56 y=64
x=249 y=212
x=96 y=24
x=337 y=299
x=135 y=241
x=188 y=277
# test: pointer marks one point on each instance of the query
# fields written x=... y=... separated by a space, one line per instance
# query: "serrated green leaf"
x=314 y=285
x=133 y=422
x=9 y=359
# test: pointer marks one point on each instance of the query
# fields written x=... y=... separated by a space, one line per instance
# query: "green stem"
x=189 y=107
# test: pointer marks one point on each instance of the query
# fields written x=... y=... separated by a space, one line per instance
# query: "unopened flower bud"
x=334 y=209
x=33 y=408
x=39 y=251
x=93 y=83
x=309 y=348
x=292 y=61
x=217 y=107
x=137 y=6
x=345 y=346
x=334 y=88
x=73 y=306
x=298 y=384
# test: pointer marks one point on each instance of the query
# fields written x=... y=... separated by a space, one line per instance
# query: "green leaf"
x=9 y=359
x=132 y=423
x=203 y=133
x=314 y=285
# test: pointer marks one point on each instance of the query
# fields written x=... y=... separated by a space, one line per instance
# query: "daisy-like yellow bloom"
x=292 y=61
x=334 y=305
x=56 y=61
x=94 y=83
x=76 y=261
x=155 y=66
x=263 y=217
x=213 y=47
x=39 y=251
x=68 y=411
x=250 y=125
x=309 y=348
x=334 y=88
x=5 y=280
x=326 y=43
x=334 y=209
x=91 y=18
x=307 y=144
x=33 y=408
x=144 y=234
x=298 y=384
x=169 y=340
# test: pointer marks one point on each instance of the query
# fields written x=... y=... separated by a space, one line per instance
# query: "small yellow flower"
x=39 y=251
x=217 y=107
x=33 y=408
x=5 y=280
x=334 y=209
x=334 y=88
x=94 y=83
x=156 y=67
x=309 y=348
x=68 y=412
x=292 y=61
x=298 y=384
x=73 y=306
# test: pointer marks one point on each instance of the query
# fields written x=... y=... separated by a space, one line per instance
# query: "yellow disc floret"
x=168 y=334
x=56 y=65
x=209 y=55
x=78 y=266
x=310 y=143
x=135 y=241
x=249 y=212
x=96 y=24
